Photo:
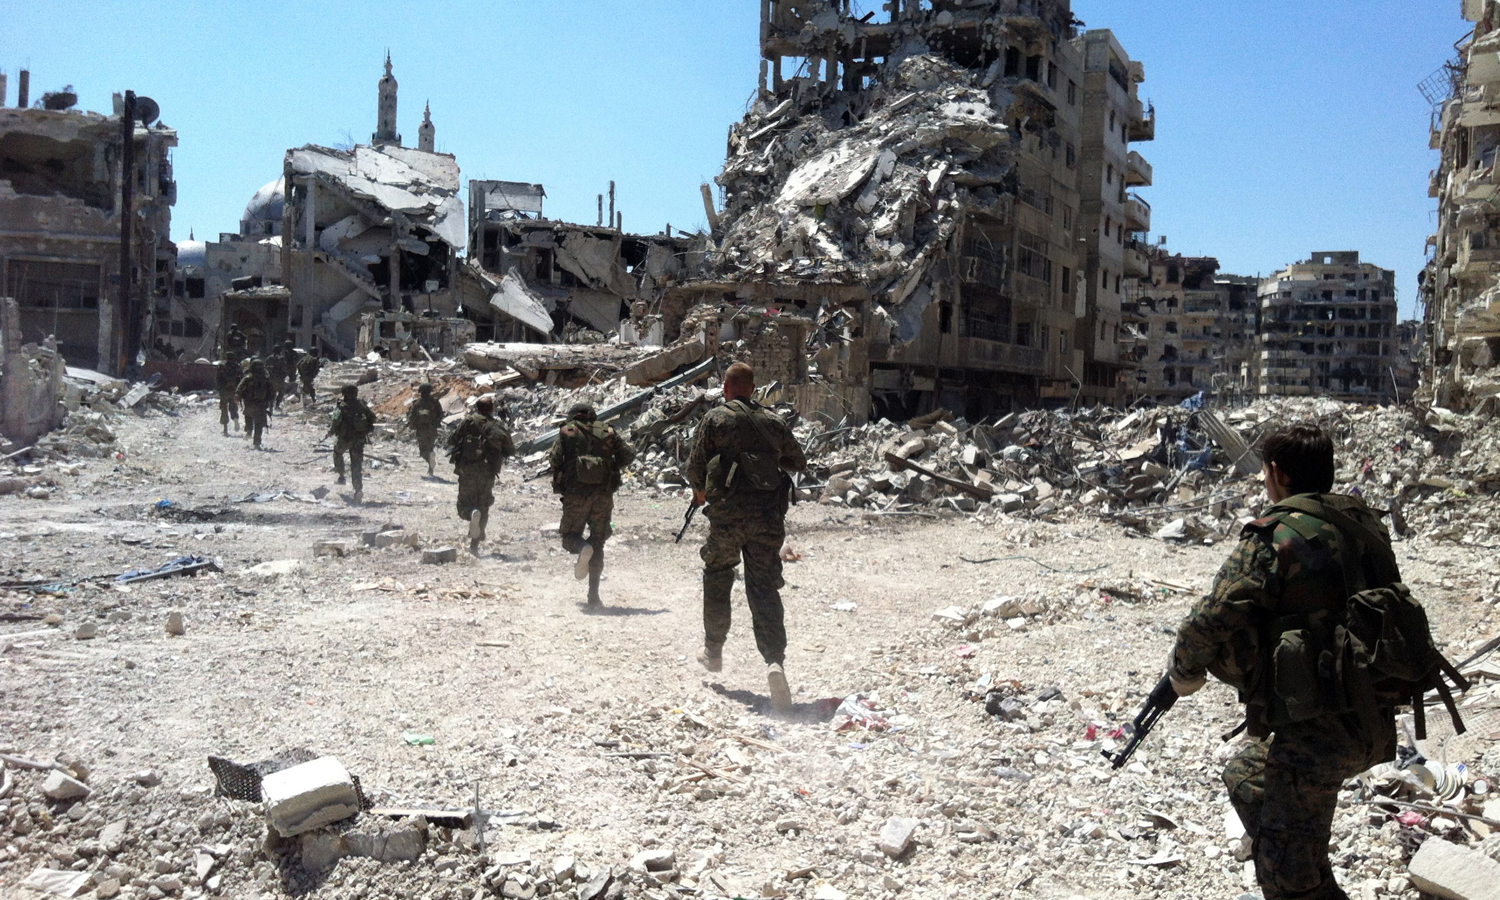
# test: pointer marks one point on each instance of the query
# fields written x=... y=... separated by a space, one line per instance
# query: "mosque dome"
x=191 y=253
x=263 y=212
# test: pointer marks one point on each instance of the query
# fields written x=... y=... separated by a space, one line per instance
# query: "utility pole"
x=128 y=339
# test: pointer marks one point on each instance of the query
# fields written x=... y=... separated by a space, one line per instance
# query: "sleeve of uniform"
x=1241 y=589
x=792 y=457
x=697 y=467
x=624 y=452
x=555 y=456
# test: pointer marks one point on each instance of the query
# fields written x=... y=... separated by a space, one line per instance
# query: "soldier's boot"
x=781 y=692
x=340 y=479
x=476 y=531
x=596 y=572
x=225 y=426
x=359 y=496
x=581 y=564
x=711 y=657
x=431 y=464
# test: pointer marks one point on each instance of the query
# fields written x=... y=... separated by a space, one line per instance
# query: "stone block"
x=399 y=843
x=308 y=796
x=1453 y=872
x=439 y=555
x=896 y=835
x=322 y=849
x=58 y=786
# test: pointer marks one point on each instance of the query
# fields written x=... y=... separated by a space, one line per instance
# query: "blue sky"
x=1283 y=127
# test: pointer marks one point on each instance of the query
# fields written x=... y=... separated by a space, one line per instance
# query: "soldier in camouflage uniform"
x=289 y=357
x=1285 y=570
x=256 y=393
x=276 y=372
x=353 y=423
x=425 y=419
x=226 y=378
x=739 y=461
x=587 y=459
x=478 y=448
x=308 y=366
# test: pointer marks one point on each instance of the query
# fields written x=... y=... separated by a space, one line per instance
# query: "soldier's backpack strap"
x=750 y=414
x=1361 y=539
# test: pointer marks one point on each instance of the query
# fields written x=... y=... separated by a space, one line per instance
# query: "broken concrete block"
x=402 y=842
x=387 y=539
x=61 y=787
x=333 y=548
x=112 y=836
x=1453 y=872
x=659 y=859
x=57 y=882
x=308 y=796
x=1009 y=502
x=895 y=836
x=440 y=555
x=175 y=624
x=321 y=849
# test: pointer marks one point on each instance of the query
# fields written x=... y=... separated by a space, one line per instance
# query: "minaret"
x=426 y=134
x=385 y=119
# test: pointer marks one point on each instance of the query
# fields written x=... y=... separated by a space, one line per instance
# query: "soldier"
x=289 y=358
x=1287 y=568
x=353 y=423
x=478 y=448
x=425 y=418
x=739 y=462
x=226 y=378
x=588 y=458
x=308 y=367
x=276 y=371
x=256 y=392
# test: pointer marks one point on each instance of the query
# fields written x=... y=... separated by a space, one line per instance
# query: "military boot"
x=476 y=530
x=581 y=564
x=596 y=572
x=711 y=657
x=781 y=692
x=431 y=464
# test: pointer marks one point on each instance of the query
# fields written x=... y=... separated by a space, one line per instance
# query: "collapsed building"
x=62 y=245
x=1460 y=287
x=908 y=190
x=553 y=278
x=1328 y=328
x=1187 y=329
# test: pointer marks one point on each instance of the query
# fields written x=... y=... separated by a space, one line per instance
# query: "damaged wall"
x=31 y=381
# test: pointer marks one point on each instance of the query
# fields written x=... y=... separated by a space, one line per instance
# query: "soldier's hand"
x=699 y=498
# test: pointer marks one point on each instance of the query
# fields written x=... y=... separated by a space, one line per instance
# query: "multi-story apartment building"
x=1460 y=287
x=1328 y=328
x=1114 y=218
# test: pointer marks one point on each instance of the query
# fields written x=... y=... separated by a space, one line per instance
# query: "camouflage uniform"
x=425 y=419
x=276 y=372
x=488 y=445
x=289 y=357
x=256 y=392
x=743 y=522
x=353 y=421
x=226 y=379
x=307 y=370
x=1284 y=785
x=584 y=504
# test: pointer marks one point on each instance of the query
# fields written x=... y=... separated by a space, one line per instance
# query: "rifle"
x=686 y=521
x=1161 y=699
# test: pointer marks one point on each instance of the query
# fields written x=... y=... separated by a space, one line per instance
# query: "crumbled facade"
x=1328 y=328
x=1460 y=286
x=60 y=228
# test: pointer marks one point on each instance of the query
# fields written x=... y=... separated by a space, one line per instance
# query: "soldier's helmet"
x=349 y=391
x=424 y=389
x=257 y=365
x=583 y=412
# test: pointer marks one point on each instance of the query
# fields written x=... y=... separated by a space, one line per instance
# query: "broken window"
x=945 y=318
x=53 y=285
x=1109 y=174
x=1012 y=62
x=1067 y=281
x=1031 y=256
x=1107 y=221
x=1072 y=93
x=192 y=327
x=1071 y=156
x=1034 y=68
x=195 y=288
x=1052 y=75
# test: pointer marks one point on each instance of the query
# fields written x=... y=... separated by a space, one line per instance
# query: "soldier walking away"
x=739 y=464
x=425 y=418
x=226 y=378
x=587 y=459
x=289 y=356
x=353 y=423
x=276 y=372
x=308 y=367
x=256 y=393
x=478 y=448
x=1290 y=577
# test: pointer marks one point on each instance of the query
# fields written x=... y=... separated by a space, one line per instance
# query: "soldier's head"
x=424 y=389
x=739 y=382
x=485 y=406
x=257 y=366
x=582 y=412
x=288 y=344
x=349 y=391
x=1298 y=460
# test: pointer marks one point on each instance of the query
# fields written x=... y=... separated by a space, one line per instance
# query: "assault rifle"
x=1161 y=699
x=686 y=521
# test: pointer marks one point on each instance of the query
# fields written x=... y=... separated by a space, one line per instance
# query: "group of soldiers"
x=259 y=385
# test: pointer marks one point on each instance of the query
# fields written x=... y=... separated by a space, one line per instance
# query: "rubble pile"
x=865 y=190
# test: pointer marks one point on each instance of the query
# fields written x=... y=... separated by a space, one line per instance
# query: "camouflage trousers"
x=356 y=451
x=476 y=490
x=756 y=536
x=1285 y=790
x=278 y=390
x=592 y=510
x=426 y=440
x=307 y=388
x=255 y=421
x=229 y=407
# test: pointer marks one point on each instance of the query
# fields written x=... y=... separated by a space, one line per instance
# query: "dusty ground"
x=525 y=693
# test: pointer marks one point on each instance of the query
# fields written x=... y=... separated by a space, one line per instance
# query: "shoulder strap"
x=1364 y=539
x=753 y=416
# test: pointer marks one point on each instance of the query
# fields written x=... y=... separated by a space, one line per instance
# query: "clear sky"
x=1283 y=126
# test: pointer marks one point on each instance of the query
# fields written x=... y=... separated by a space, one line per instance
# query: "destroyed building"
x=1187 y=329
x=907 y=183
x=368 y=228
x=61 y=196
x=557 y=277
x=1460 y=287
x=1328 y=328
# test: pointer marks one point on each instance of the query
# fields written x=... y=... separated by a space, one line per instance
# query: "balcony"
x=1142 y=122
x=1137 y=213
x=1137 y=170
x=1137 y=71
x=1476 y=261
x=1435 y=183
x=1136 y=265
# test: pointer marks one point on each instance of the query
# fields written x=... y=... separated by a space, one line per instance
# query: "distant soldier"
x=739 y=461
x=276 y=371
x=478 y=448
x=353 y=423
x=308 y=367
x=588 y=458
x=289 y=357
x=226 y=378
x=234 y=339
x=256 y=392
x=425 y=419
